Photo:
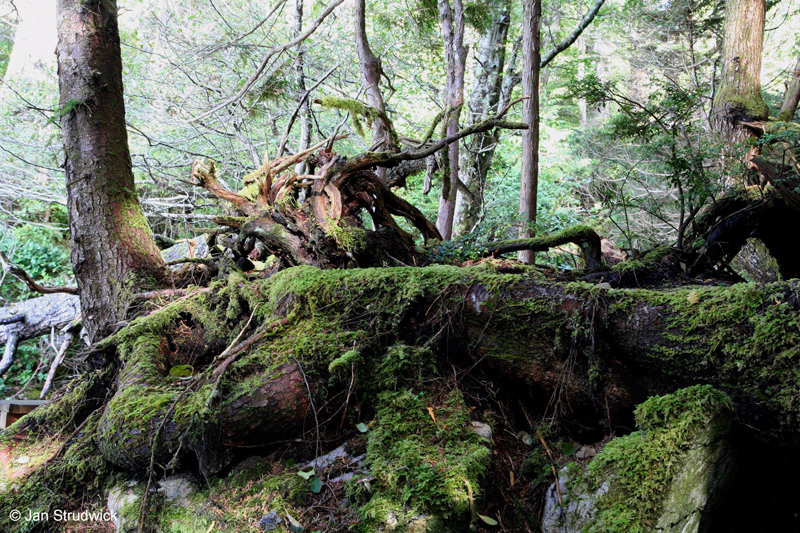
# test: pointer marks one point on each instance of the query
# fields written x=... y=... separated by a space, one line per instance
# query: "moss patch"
x=424 y=456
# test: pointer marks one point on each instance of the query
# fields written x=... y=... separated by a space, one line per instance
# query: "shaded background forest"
x=604 y=161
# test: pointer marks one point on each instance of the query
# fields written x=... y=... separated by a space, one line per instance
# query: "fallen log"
x=574 y=353
x=40 y=316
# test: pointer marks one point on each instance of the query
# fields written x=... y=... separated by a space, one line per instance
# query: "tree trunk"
x=477 y=158
x=738 y=97
x=371 y=72
x=452 y=20
x=300 y=77
x=112 y=245
x=792 y=96
x=531 y=52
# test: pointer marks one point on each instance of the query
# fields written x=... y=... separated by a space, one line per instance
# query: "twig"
x=59 y=358
x=265 y=60
x=11 y=319
x=552 y=465
x=235 y=352
x=311 y=401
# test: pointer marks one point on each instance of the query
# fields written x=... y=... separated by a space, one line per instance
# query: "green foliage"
x=23 y=369
x=41 y=250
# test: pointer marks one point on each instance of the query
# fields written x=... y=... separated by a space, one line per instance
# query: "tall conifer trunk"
x=112 y=245
x=738 y=97
x=531 y=57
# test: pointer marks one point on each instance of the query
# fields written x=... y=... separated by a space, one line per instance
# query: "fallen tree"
x=192 y=382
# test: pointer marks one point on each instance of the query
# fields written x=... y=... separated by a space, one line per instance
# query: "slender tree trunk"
x=452 y=20
x=371 y=72
x=792 y=96
x=300 y=77
x=738 y=97
x=112 y=245
x=531 y=52
x=477 y=158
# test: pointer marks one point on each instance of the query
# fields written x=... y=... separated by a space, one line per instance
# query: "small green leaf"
x=306 y=475
x=569 y=448
x=181 y=371
x=362 y=427
x=315 y=485
x=488 y=520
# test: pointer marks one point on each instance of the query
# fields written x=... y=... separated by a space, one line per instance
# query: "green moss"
x=350 y=239
x=427 y=465
x=358 y=111
x=752 y=105
x=640 y=467
x=78 y=475
x=651 y=261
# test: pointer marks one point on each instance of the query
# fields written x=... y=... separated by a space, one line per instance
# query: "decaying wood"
x=585 y=237
x=41 y=315
x=316 y=219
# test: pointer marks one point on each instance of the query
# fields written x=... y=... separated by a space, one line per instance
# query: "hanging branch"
x=302 y=101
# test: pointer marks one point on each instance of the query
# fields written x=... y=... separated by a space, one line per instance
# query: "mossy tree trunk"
x=111 y=241
x=738 y=98
x=581 y=355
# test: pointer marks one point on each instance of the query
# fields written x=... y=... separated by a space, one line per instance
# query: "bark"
x=452 y=21
x=738 y=97
x=792 y=96
x=531 y=49
x=371 y=71
x=112 y=245
x=484 y=102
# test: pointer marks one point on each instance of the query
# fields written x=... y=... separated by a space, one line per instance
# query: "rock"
x=577 y=508
x=700 y=484
x=177 y=488
x=270 y=521
x=120 y=497
x=482 y=429
x=690 y=429
x=586 y=452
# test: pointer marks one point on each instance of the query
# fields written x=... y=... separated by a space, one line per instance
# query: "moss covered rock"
x=667 y=476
